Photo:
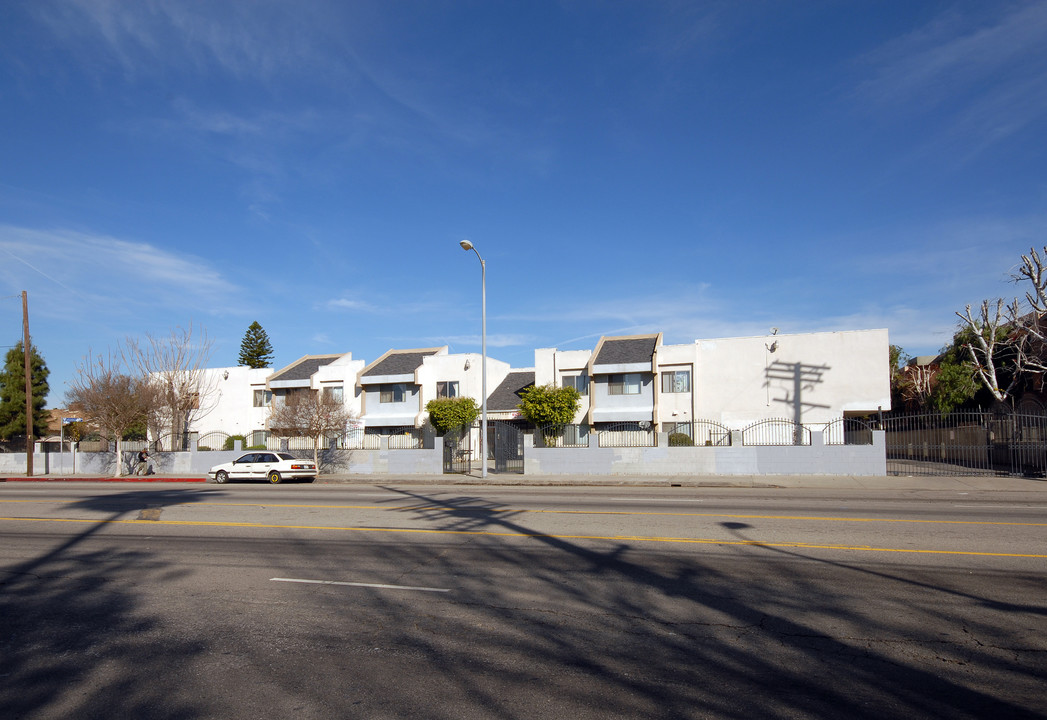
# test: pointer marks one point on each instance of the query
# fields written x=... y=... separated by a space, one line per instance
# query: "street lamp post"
x=466 y=245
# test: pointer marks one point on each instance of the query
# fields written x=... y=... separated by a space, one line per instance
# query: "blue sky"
x=707 y=169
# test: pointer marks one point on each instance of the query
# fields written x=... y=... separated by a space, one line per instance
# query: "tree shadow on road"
x=609 y=630
x=75 y=641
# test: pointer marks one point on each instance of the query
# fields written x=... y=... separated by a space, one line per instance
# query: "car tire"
x=221 y=477
x=274 y=477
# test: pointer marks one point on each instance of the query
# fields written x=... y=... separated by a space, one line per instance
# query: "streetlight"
x=466 y=245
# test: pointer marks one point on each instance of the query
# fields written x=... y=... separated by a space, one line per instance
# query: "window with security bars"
x=676 y=381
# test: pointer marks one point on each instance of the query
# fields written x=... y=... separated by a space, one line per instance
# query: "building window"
x=394 y=393
x=624 y=384
x=578 y=382
x=263 y=398
x=336 y=393
x=676 y=381
x=447 y=389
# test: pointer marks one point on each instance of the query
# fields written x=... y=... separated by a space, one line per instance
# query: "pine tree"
x=12 y=393
x=255 y=350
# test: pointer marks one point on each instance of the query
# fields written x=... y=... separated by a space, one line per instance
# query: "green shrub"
x=231 y=439
x=677 y=439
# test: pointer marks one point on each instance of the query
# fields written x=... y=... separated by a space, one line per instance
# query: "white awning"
x=622 y=415
x=390 y=420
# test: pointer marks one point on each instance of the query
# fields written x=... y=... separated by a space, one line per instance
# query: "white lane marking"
x=357 y=584
x=1005 y=507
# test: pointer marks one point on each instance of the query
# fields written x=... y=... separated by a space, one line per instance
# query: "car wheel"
x=221 y=476
x=274 y=477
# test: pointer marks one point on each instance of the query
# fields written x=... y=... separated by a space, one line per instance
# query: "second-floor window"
x=578 y=382
x=263 y=398
x=624 y=384
x=393 y=393
x=447 y=389
x=335 y=393
x=676 y=381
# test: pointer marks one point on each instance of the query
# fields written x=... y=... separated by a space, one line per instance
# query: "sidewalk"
x=824 y=482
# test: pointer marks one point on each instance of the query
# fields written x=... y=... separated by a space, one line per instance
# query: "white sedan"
x=271 y=466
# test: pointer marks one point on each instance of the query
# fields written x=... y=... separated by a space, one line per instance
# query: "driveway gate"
x=978 y=442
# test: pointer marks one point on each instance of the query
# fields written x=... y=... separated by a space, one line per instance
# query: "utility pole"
x=29 y=444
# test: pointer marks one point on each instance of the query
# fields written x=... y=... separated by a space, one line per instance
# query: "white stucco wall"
x=810 y=377
x=228 y=405
x=550 y=365
x=341 y=373
x=451 y=368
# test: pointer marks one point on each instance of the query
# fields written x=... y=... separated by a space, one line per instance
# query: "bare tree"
x=176 y=369
x=992 y=331
x=310 y=414
x=1015 y=328
x=109 y=399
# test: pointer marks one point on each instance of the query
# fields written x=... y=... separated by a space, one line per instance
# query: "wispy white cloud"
x=497 y=340
x=75 y=274
x=987 y=72
x=260 y=40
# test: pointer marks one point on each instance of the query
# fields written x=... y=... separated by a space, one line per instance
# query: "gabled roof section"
x=626 y=350
x=302 y=369
x=506 y=397
x=398 y=362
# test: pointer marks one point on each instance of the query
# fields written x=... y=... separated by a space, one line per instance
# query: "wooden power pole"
x=29 y=444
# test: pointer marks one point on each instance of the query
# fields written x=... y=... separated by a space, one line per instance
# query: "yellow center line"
x=488 y=533
x=462 y=508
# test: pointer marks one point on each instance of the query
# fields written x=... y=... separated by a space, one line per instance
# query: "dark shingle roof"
x=304 y=368
x=399 y=362
x=627 y=350
x=506 y=396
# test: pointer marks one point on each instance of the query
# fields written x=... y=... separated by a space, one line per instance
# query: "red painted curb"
x=103 y=479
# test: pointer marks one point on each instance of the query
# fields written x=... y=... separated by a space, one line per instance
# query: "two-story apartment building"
x=807 y=377
x=632 y=381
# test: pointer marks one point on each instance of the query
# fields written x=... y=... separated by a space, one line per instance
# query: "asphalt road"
x=248 y=601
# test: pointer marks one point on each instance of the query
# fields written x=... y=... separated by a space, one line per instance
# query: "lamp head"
x=466 y=245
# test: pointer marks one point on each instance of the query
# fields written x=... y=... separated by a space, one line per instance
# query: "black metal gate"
x=505 y=443
x=967 y=443
x=458 y=451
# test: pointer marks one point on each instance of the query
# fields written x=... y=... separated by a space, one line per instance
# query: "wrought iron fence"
x=13 y=445
x=705 y=433
x=627 y=434
x=978 y=442
x=778 y=431
x=561 y=436
x=215 y=440
x=848 y=431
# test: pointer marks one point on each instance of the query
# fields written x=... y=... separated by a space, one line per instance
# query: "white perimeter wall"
x=740 y=381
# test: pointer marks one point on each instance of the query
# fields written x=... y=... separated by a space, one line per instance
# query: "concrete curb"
x=959 y=484
x=102 y=478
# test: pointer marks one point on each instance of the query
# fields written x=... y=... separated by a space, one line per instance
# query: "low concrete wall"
x=737 y=459
x=194 y=462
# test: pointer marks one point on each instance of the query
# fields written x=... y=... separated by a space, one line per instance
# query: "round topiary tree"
x=448 y=414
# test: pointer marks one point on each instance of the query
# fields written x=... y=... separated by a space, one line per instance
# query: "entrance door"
x=458 y=451
x=506 y=443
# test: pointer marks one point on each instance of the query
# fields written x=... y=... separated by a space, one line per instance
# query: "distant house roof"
x=626 y=350
x=506 y=397
x=304 y=368
x=398 y=362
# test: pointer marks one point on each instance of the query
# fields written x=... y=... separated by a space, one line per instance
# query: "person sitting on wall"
x=144 y=463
